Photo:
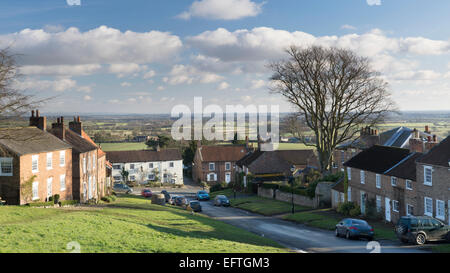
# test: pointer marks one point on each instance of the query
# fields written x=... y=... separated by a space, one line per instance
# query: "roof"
x=271 y=162
x=406 y=168
x=144 y=156
x=225 y=153
x=79 y=144
x=88 y=138
x=439 y=155
x=338 y=186
x=249 y=158
x=377 y=159
x=30 y=140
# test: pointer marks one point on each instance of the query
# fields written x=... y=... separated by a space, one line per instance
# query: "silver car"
x=122 y=188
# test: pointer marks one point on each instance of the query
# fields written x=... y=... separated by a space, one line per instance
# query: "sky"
x=146 y=56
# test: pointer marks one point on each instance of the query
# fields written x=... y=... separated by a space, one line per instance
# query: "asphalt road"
x=299 y=237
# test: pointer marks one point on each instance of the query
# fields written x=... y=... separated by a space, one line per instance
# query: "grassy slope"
x=327 y=219
x=129 y=225
x=125 y=146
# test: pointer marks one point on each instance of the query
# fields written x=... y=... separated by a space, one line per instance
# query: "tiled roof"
x=86 y=136
x=439 y=155
x=79 y=144
x=249 y=158
x=406 y=168
x=143 y=156
x=272 y=162
x=30 y=140
x=222 y=153
x=377 y=159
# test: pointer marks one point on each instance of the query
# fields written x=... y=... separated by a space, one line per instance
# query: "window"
x=6 y=166
x=35 y=163
x=150 y=165
x=349 y=173
x=378 y=203
x=395 y=205
x=131 y=166
x=342 y=157
x=49 y=186
x=62 y=182
x=378 y=181
x=84 y=164
x=35 y=190
x=49 y=161
x=440 y=209
x=394 y=181
x=363 y=177
x=132 y=178
x=171 y=164
x=227 y=166
x=116 y=167
x=151 y=177
x=409 y=185
x=212 y=166
x=89 y=163
x=62 y=158
x=349 y=194
x=212 y=177
x=428 y=206
x=117 y=178
x=428 y=175
x=93 y=162
x=409 y=210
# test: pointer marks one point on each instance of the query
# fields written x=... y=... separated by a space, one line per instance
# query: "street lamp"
x=291 y=181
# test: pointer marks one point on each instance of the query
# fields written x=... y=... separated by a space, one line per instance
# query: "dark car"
x=172 y=199
x=202 y=195
x=122 y=188
x=420 y=229
x=354 y=228
x=166 y=195
x=146 y=193
x=221 y=200
x=181 y=201
x=195 y=206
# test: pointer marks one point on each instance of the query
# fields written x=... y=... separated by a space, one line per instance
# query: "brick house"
x=216 y=164
x=433 y=181
x=34 y=164
x=386 y=176
x=87 y=176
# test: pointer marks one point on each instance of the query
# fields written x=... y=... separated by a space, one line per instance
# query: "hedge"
x=41 y=204
x=68 y=202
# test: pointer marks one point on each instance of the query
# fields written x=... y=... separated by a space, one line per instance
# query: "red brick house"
x=34 y=164
x=216 y=164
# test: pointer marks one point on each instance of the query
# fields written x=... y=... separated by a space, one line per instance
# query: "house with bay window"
x=433 y=182
x=34 y=164
x=162 y=165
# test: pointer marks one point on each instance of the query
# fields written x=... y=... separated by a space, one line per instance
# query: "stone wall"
x=298 y=199
x=266 y=193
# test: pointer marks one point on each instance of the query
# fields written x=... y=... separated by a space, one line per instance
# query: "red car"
x=146 y=193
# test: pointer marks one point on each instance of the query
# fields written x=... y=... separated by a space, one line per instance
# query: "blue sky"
x=145 y=56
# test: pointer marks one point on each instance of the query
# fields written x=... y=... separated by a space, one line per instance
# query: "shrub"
x=50 y=199
x=56 y=198
x=106 y=199
x=215 y=187
x=41 y=204
x=272 y=185
x=356 y=211
x=311 y=189
x=345 y=208
x=298 y=190
x=333 y=177
x=68 y=202
x=113 y=197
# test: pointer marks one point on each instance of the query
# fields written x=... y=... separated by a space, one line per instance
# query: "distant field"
x=125 y=146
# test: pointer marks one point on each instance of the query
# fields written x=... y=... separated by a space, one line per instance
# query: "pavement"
x=297 y=237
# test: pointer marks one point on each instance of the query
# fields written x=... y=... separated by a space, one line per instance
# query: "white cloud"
x=257 y=84
x=87 y=98
x=182 y=74
x=102 y=45
x=349 y=27
x=223 y=86
x=60 y=70
x=149 y=74
x=125 y=84
x=222 y=9
x=373 y=2
x=420 y=75
x=58 y=85
x=125 y=69
x=85 y=89
x=160 y=88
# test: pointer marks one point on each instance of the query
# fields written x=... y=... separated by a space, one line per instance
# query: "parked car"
x=420 y=229
x=202 y=195
x=221 y=200
x=122 y=188
x=146 y=193
x=354 y=228
x=172 y=199
x=166 y=195
x=194 y=206
x=181 y=201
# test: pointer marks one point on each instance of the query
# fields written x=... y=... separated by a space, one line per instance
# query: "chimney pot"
x=78 y=119
x=435 y=138
x=429 y=138
x=62 y=120
x=32 y=113
x=37 y=113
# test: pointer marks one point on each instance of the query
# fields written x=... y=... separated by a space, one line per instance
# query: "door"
x=437 y=232
x=49 y=187
x=228 y=177
x=387 y=208
x=90 y=187
x=363 y=202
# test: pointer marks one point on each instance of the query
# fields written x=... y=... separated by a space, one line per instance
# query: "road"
x=294 y=236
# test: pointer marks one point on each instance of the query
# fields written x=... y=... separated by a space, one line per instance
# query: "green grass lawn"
x=264 y=206
x=327 y=219
x=123 y=146
x=131 y=224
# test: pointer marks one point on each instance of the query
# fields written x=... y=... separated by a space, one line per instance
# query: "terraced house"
x=34 y=165
x=433 y=182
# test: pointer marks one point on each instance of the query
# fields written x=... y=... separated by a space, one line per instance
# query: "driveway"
x=300 y=237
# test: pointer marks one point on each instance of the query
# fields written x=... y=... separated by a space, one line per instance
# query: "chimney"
x=37 y=121
x=246 y=143
x=416 y=144
x=427 y=129
x=432 y=141
x=58 y=128
x=260 y=142
x=369 y=137
x=76 y=125
x=158 y=149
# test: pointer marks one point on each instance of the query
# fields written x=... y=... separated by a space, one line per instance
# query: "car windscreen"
x=195 y=203
x=359 y=223
x=202 y=192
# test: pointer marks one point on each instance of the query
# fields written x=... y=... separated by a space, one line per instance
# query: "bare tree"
x=335 y=91
x=296 y=125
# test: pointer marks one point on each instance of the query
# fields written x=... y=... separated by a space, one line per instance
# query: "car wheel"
x=347 y=235
x=421 y=239
x=336 y=232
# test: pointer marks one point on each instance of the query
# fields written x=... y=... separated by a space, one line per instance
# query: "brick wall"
x=219 y=170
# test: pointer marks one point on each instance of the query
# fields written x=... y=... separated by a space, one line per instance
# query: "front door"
x=90 y=187
x=387 y=208
x=49 y=187
x=228 y=177
x=363 y=202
